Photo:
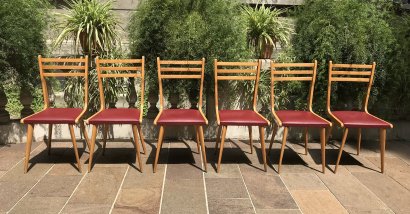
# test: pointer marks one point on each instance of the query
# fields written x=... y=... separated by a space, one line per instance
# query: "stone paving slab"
x=317 y=201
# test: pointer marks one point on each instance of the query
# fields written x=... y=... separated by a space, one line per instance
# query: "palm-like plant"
x=91 y=24
x=265 y=29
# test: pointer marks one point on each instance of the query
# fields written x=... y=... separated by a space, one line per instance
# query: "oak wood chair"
x=179 y=70
x=125 y=68
x=58 y=67
x=281 y=72
x=357 y=73
x=239 y=71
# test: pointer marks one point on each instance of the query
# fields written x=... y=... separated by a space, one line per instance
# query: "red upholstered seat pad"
x=359 y=119
x=55 y=116
x=301 y=119
x=181 y=117
x=116 y=116
x=241 y=118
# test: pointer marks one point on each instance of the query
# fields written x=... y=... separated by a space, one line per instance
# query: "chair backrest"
x=293 y=72
x=124 y=68
x=63 y=67
x=180 y=69
x=359 y=73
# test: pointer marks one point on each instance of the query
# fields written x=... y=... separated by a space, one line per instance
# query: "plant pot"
x=26 y=98
x=266 y=51
x=84 y=45
x=152 y=100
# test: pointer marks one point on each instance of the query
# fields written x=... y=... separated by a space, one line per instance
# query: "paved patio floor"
x=115 y=185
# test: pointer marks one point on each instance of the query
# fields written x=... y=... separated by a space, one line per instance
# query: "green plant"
x=347 y=31
x=91 y=24
x=265 y=29
x=21 y=39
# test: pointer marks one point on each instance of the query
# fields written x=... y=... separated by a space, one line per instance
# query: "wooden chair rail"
x=296 y=72
x=120 y=75
x=236 y=71
x=180 y=69
x=62 y=60
x=63 y=67
x=115 y=61
x=292 y=79
x=64 y=74
x=349 y=79
x=136 y=68
x=180 y=62
x=236 y=77
x=352 y=73
x=181 y=76
x=352 y=66
x=237 y=64
x=283 y=65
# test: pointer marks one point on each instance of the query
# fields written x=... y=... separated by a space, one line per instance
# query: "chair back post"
x=100 y=86
x=312 y=87
x=85 y=108
x=329 y=88
x=369 y=87
x=142 y=86
x=43 y=83
x=216 y=90
x=161 y=97
x=255 y=93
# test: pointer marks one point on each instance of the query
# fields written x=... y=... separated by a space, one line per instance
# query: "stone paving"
x=116 y=185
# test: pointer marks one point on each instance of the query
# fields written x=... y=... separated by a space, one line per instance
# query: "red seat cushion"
x=241 y=118
x=116 y=116
x=301 y=119
x=54 y=116
x=181 y=117
x=360 y=119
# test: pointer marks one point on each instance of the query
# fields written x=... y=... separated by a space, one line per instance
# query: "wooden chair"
x=51 y=116
x=184 y=69
x=239 y=71
x=129 y=68
x=356 y=119
x=294 y=118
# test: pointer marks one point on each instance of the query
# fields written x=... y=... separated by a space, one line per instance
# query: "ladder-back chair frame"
x=238 y=71
x=130 y=68
x=46 y=64
x=181 y=70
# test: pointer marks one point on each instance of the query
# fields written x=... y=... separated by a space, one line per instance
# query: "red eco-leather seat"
x=291 y=118
x=241 y=118
x=181 y=117
x=54 y=116
x=116 y=116
x=360 y=119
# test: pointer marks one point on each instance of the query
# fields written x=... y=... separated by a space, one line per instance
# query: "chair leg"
x=218 y=138
x=77 y=157
x=144 y=148
x=105 y=133
x=323 y=147
x=93 y=138
x=282 y=149
x=262 y=139
x=341 y=147
x=201 y=137
x=50 y=133
x=159 y=145
x=306 y=140
x=382 y=135
x=274 y=131
x=137 y=147
x=359 y=140
x=250 y=138
x=85 y=134
x=28 y=145
x=224 y=128
x=197 y=138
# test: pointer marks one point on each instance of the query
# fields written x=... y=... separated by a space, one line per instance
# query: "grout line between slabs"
x=203 y=179
x=31 y=188
x=119 y=189
x=73 y=192
x=163 y=181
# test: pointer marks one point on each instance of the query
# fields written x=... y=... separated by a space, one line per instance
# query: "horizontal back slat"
x=64 y=74
x=63 y=60
x=352 y=73
x=63 y=67
x=237 y=64
x=349 y=79
x=351 y=66
x=276 y=72
x=180 y=62
x=181 y=76
x=120 y=75
x=236 y=77
x=283 y=65
x=176 y=69
x=292 y=78
x=123 y=61
x=120 y=68
x=238 y=71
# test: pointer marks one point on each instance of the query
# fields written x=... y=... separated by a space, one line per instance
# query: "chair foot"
x=28 y=146
x=137 y=147
x=201 y=137
x=159 y=145
x=382 y=136
x=282 y=149
x=77 y=157
x=346 y=131
x=224 y=128
x=93 y=138
x=262 y=139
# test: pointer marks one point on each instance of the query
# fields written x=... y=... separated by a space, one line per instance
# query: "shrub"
x=347 y=31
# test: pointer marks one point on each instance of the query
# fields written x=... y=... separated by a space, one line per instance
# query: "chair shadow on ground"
x=231 y=155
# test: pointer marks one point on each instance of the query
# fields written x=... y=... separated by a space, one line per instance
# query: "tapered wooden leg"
x=197 y=138
x=85 y=134
x=282 y=149
x=28 y=145
x=329 y=133
x=323 y=147
x=50 y=133
x=221 y=147
x=137 y=147
x=105 y=133
x=262 y=138
x=274 y=131
x=144 y=148
x=341 y=148
x=92 y=145
x=77 y=157
x=250 y=138
x=159 y=145
x=359 y=139
x=218 y=138
x=382 y=147
x=201 y=137
x=306 y=140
